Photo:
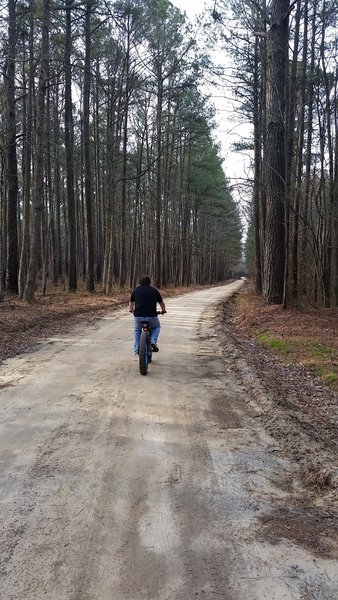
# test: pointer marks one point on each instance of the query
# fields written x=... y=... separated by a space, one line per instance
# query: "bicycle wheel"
x=143 y=353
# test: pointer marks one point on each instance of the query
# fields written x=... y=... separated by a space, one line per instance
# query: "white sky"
x=191 y=7
x=228 y=131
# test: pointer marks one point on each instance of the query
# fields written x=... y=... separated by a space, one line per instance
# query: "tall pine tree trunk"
x=257 y=174
x=299 y=162
x=26 y=163
x=38 y=203
x=274 y=263
x=335 y=192
x=158 y=206
x=123 y=257
x=90 y=269
x=69 y=149
x=290 y=144
x=304 y=250
x=12 y=169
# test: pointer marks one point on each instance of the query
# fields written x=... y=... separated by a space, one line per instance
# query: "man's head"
x=145 y=280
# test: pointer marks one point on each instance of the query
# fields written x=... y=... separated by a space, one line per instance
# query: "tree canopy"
x=109 y=166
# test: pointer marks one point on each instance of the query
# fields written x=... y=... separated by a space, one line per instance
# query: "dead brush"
x=313 y=476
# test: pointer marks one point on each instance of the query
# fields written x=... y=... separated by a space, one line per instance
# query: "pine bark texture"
x=12 y=171
x=277 y=54
x=38 y=201
x=69 y=149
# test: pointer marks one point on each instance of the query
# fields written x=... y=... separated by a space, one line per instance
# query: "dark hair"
x=145 y=280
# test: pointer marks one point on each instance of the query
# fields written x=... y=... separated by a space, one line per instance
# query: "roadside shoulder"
x=295 y=407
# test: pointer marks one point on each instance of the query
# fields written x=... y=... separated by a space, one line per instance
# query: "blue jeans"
x=154 y=328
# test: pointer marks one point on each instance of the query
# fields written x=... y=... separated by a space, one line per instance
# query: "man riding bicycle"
x=143 y=302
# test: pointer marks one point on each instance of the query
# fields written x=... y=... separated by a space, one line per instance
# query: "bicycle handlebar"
x=158 y=312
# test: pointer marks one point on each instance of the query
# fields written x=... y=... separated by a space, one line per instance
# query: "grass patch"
x=321 y=351
x=307 y=336
x=320 y=358
x=327 y=373
x=274 y=343
x=323 y=359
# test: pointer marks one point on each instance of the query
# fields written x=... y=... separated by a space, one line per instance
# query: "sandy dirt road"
x=122 y=487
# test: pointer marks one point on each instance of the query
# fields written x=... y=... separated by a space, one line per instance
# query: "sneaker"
x=154 y=347
x=136 y=355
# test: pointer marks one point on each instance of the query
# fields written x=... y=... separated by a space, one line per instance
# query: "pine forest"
x=109 y=161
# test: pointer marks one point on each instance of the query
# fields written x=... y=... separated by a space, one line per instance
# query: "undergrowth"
x=307 y=337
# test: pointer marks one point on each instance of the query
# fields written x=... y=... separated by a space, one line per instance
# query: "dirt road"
x=122 y=487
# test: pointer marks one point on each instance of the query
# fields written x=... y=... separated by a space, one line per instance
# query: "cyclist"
x=142 y=303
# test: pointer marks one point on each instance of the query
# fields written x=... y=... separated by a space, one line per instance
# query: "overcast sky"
x=191 y=7
x=228 y=131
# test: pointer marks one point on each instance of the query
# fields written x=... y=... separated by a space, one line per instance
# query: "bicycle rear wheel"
x=143 y=353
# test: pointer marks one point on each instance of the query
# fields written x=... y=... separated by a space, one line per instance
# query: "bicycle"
x=145 y=353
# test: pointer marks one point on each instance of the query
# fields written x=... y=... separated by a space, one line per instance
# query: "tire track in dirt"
x=119 y=486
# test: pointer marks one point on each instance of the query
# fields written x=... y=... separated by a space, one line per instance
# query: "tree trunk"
x=290 y=142
x=69 y=149
x=303 y=257
x=299 y=163
x=12 y=169
x=335 y=192
x=275 y=154
x=26 y=164
x=122 y=266
x=38 y=204
x=257 y=174
x=90 y=269
x=158 y=207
